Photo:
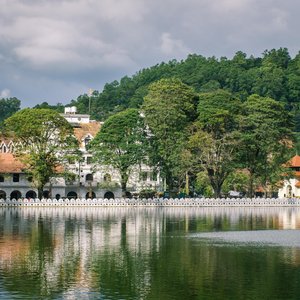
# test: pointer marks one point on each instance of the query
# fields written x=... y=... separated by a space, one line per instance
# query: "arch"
x=71 y=195
x=93 y=195
x=11 y=147
x=15 y=194
x=109 y=195
x=30 y=194
x=89 y=177
x=57 y=196
x=2 y=195
x=46 y=194
x=128 y=195
x=3 y=148
x=87 y=140
x=107 y=177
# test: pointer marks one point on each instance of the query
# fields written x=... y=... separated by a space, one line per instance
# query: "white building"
x=91 y=180
x=291 y=186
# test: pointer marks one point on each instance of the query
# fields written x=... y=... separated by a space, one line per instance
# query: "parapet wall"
x=160 y=202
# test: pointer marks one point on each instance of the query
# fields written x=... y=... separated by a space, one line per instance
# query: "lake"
x=149 y=253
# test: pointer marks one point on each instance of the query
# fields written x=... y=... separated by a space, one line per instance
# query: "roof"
x=85 y=129
x=9 y=164
x=297 y=184
x=294 y=162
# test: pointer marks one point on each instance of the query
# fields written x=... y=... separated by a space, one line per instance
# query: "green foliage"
x=266 y=138
x=213 y=141
x=147 y=193
x=58 y=107
x=169 y=108
x=43 y=141
x=274 y=75
x=202 y=185
x=121 y=143
x=8 y=107
x=236 y=181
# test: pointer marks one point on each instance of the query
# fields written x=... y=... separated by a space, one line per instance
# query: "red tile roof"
x=9 y=164
x=85 y=129
x=297 y=184
x=295 y=161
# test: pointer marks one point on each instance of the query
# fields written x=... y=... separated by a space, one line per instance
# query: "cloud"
x=5 y=93
x=172 y=46
x=79 y=44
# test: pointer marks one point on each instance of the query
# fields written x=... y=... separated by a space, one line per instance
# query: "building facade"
x=291 y=186
x=91 y=180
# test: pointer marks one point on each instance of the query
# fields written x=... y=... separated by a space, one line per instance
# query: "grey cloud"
x=55 y=50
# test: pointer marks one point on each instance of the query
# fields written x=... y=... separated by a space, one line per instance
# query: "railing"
x=156 y=202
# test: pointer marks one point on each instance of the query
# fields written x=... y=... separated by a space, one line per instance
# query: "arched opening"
x=30 y=194
x=15 y=195
x=71 y=195
x=2 y=195
x=89 y=177
x=128 y=195
x=109 y=195
x=87 y=141
x=91 y=195
x=107 y=177
x=57 y=196
x=46 y=194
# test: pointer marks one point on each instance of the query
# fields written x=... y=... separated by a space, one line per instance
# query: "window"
x=89 y=160
x=86 y=141
x=107 y=178
x=16 y=177
x=1 y=178
x=89 y=177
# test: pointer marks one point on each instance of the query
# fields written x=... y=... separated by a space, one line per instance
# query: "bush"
x=147 y=193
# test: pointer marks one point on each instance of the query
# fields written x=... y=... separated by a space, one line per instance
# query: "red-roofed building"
x=291 y=186
x=91 y=180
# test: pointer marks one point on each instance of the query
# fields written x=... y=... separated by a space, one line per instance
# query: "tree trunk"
x=250 y=186
x=124 y=179
x=40 y=192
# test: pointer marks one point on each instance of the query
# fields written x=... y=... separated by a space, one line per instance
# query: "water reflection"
x=141 y=253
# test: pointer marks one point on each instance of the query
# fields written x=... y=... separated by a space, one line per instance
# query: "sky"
x=56 y=50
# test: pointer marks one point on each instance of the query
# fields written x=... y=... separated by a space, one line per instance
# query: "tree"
x=266 y=140
x=214 y=140
x=169 y=108
x=8 y=107
x=44 y=140
x=121 y=143
x=58 y=107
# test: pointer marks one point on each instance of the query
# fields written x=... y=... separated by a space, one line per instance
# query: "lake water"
x=149 y=253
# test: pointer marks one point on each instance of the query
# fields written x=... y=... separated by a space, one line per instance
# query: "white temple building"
x=91 y=180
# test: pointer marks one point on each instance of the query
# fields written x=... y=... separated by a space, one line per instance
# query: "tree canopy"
x=121 y=143
x=8 y=107
x=44 y=140
x=169 y=107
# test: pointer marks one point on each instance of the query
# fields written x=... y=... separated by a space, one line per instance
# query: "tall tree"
x=266 y=134
x=214 y=139
x=44 y=140
x=169 y=107
x=121 y=143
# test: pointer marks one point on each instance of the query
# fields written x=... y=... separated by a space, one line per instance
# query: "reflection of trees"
x=142 y=253
x=35 y=270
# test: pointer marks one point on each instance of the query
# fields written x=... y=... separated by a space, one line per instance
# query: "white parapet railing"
x=156 y=202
